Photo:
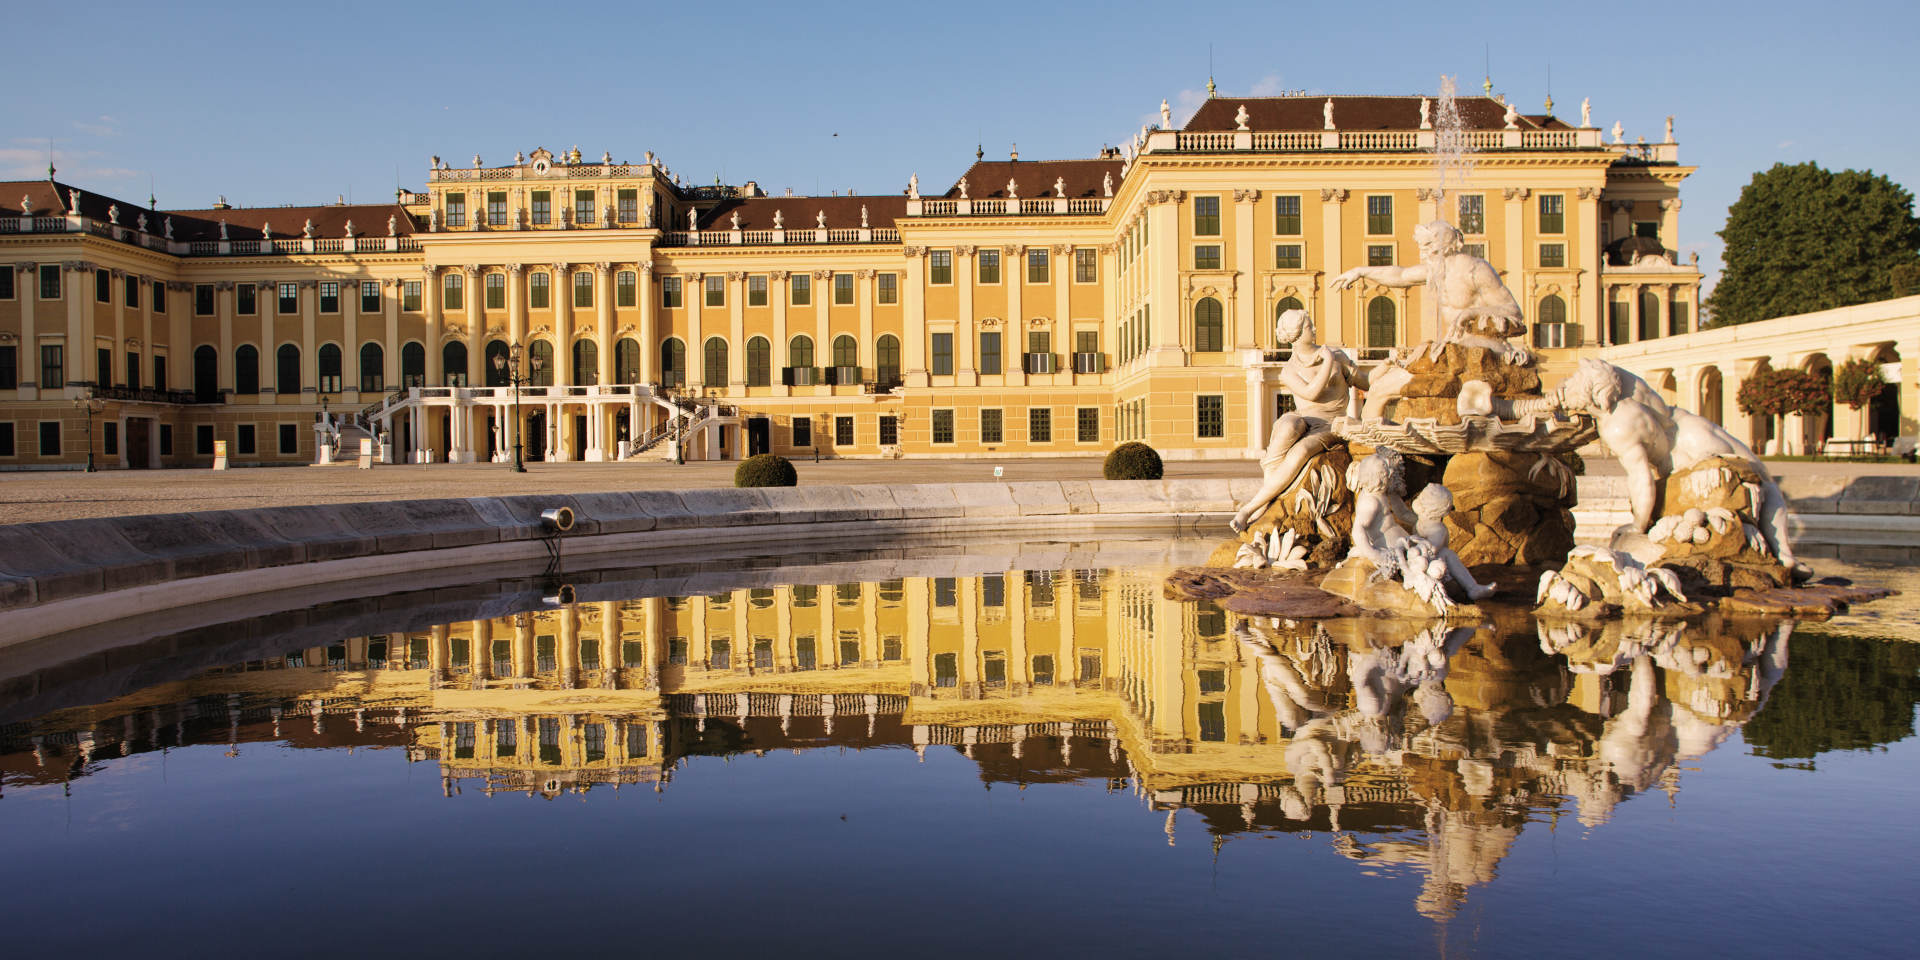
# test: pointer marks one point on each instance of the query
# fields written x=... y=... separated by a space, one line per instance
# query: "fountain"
x=1461 y=428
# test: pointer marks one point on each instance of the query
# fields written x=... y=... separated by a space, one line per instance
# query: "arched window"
x=1382 y=332
x=673 y=363
x=715 y=369
x=1285 y=304
x=329 y=368
x=540 y=363
x=1209 y=326
x=286 y=369
x=413 y=365
x=1550 y=322
x=373 y=373
x=206 y=374
x=1649 y=314
x=759 y=362
x=453 y=364
x=626 y=361
x=846 y=351
x=886 y=358
x=496 y=369
x=586 y=362
x=800 y=352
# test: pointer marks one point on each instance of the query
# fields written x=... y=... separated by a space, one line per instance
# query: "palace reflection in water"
x=1424 y=750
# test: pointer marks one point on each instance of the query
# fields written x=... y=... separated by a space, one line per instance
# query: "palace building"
x=1030 y=308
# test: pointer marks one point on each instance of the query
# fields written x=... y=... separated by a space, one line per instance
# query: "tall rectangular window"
x=1553 y=213
x=1087 y=425
x=800 y=290
x=1288 y=256
x=542 y=207
x=802 y=432
x=583 y=289
x=843 y=431
x=583 y=206
x=1039 y=425
x=329 y=296
x=1206 y=256
x=989 y=265
x=1210 y=416
x=103 y=286
x=159 y=296
x=889 y=430
x=716 y=288
x=370 y=296
x=453 y=290
x=629 y=200
x=843 y=289
x=1206 y=216
x=626 y=289
x=49 y=438
x=496 y=287
x=203 y=300
x=1473 y=214
x=103 y=366
x=133 y=370
x=539 y=291
x=410 y=296
x=49 y=281
x=1553 y=254
x=243 y=439
x=246 y=299
x=990 y=426
x=6 y=282
x=1086 y=265
x=1036 y=264
x=990 y=362
x=943 y=426
x=456 y=211
x=132 y=290
x=1380 y=216
x=889 y=287
x=497 y=208
x=289 y=438
x=1286 y=216
x=1677 y=318
x=943 y=354
x=288 y=299
x=6 y=439
x=9 y=365
x=757 y=290
x=940 y=267
x=670 y=292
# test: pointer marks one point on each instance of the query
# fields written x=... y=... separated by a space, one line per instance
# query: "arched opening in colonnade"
x=1817 y=428
x=1711 y=399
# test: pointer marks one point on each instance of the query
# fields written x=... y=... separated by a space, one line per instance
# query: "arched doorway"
x=206 y=374
x=495 y=367
x=453 y=364
x=1817 y=428
x=586 y=362
x=1712 y=400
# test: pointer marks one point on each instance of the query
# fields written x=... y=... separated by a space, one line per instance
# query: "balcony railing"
x=1301 y=141
x=725 y=238
x=149 y=395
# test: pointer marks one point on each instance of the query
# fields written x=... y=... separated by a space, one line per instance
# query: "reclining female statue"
x=1321 y=379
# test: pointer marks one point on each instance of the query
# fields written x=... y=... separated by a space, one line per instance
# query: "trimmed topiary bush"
x=765 y=470
x=1133 y=460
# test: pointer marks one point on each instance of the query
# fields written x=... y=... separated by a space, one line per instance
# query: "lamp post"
x=90 y=405
x=515 y=377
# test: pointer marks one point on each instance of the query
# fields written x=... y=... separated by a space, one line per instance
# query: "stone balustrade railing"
x=558 y=171
x=999 y=206
x=1387 y=141
x=206 y=248
x=730 y=238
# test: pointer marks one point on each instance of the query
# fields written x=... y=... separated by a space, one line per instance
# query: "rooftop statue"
x=1106 y=184
x=307 y=230
x=1240 y=118
x=1586 y=112
x=140 y=223
x=1512 y=117
x=1059 y=186
x=693 y=219
x=223 y=229
x=963 y=188
x=1326 y=114
x=113 y=213
x=73 y=201
x=1426 y=114
x=863 y=216
x=779 y=220
x=266 y=230
x=820 y=218
x=1476 y=310
x=913 y=187
x=393 y=225
x=168 y=228
x=26 y=205
x=1166 y=115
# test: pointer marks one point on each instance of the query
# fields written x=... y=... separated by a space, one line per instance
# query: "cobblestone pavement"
x=33 y=496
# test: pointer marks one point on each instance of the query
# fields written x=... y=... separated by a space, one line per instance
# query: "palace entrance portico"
x=566 y=422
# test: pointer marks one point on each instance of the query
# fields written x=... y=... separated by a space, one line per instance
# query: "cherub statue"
x=1653 y=440
x=1431 y=508
x=1476 y=310
x=1321 y=379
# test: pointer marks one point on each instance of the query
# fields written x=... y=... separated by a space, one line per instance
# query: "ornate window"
x=626 y=361
x=1382 y=327
x=586 y=362
x=715 y=368
x=453 y=364
x=330 y=368
x=540 y=363
x=759 y=362
x=1209 y=326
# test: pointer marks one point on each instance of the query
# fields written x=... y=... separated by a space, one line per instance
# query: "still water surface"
x=952 y=751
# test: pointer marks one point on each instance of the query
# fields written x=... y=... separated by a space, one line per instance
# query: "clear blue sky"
x=280 y=103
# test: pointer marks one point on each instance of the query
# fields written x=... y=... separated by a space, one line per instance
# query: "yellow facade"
x=1033 y=308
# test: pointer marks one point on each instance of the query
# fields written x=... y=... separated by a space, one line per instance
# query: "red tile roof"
x=799 y=213
x=50 y=198
x=1035 y=178
x=1353 y=113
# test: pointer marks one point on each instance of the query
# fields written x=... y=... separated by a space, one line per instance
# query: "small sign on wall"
x=219 y=454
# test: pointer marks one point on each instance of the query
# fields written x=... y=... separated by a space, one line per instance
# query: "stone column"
x=913 y=318
x=349 y=340
x=1333 y=203
x=1515 y=258
x=1013 y=348
x=823 y=330
x=649 y=330
x=309 y=337
x=224 y=296
x=476 y=327
x=1588 y=308
x=603 y=322
x=736 y=332
x=695 y=298
x=27 y=288
x=1247 y=318
x=562 y=291
x=966 y=272
x=430 y=339
x=782 y=284
x=390 y=348
x=863 y=295
x=1060 y=326
x=516 y=308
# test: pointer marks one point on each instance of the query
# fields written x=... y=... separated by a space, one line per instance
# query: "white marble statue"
x=1430 y=508
x=1619 y=132
x=1326 y=114
x=1586 y=112
x=820 y=219
x=393 y=225
x=1476 y=309
x=1240 y=118
x=963 y=188
x=1426 y=114
x=1106 y=184
x=779 y=220
x=913 y=187
x=26 y=205
x=1166 y=115
x=113 y=213
x=1013 y=190
x=266 y=230
x=1059 y=186
x=863 y=216
x=734 y=219
x=1669 y=129
x=349 y=229
x=1653 y=439
x=693 y=219
x=1512 y=117
x=167 y=227
x=73 y=202
x=1320 y=378
x=140 y=223
x=223 y=229
x=307 y=230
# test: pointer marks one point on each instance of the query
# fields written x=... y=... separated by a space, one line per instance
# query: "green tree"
x=1857 y=382
x=1839 y=693
x=1803 y=238
x=1778 y=393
